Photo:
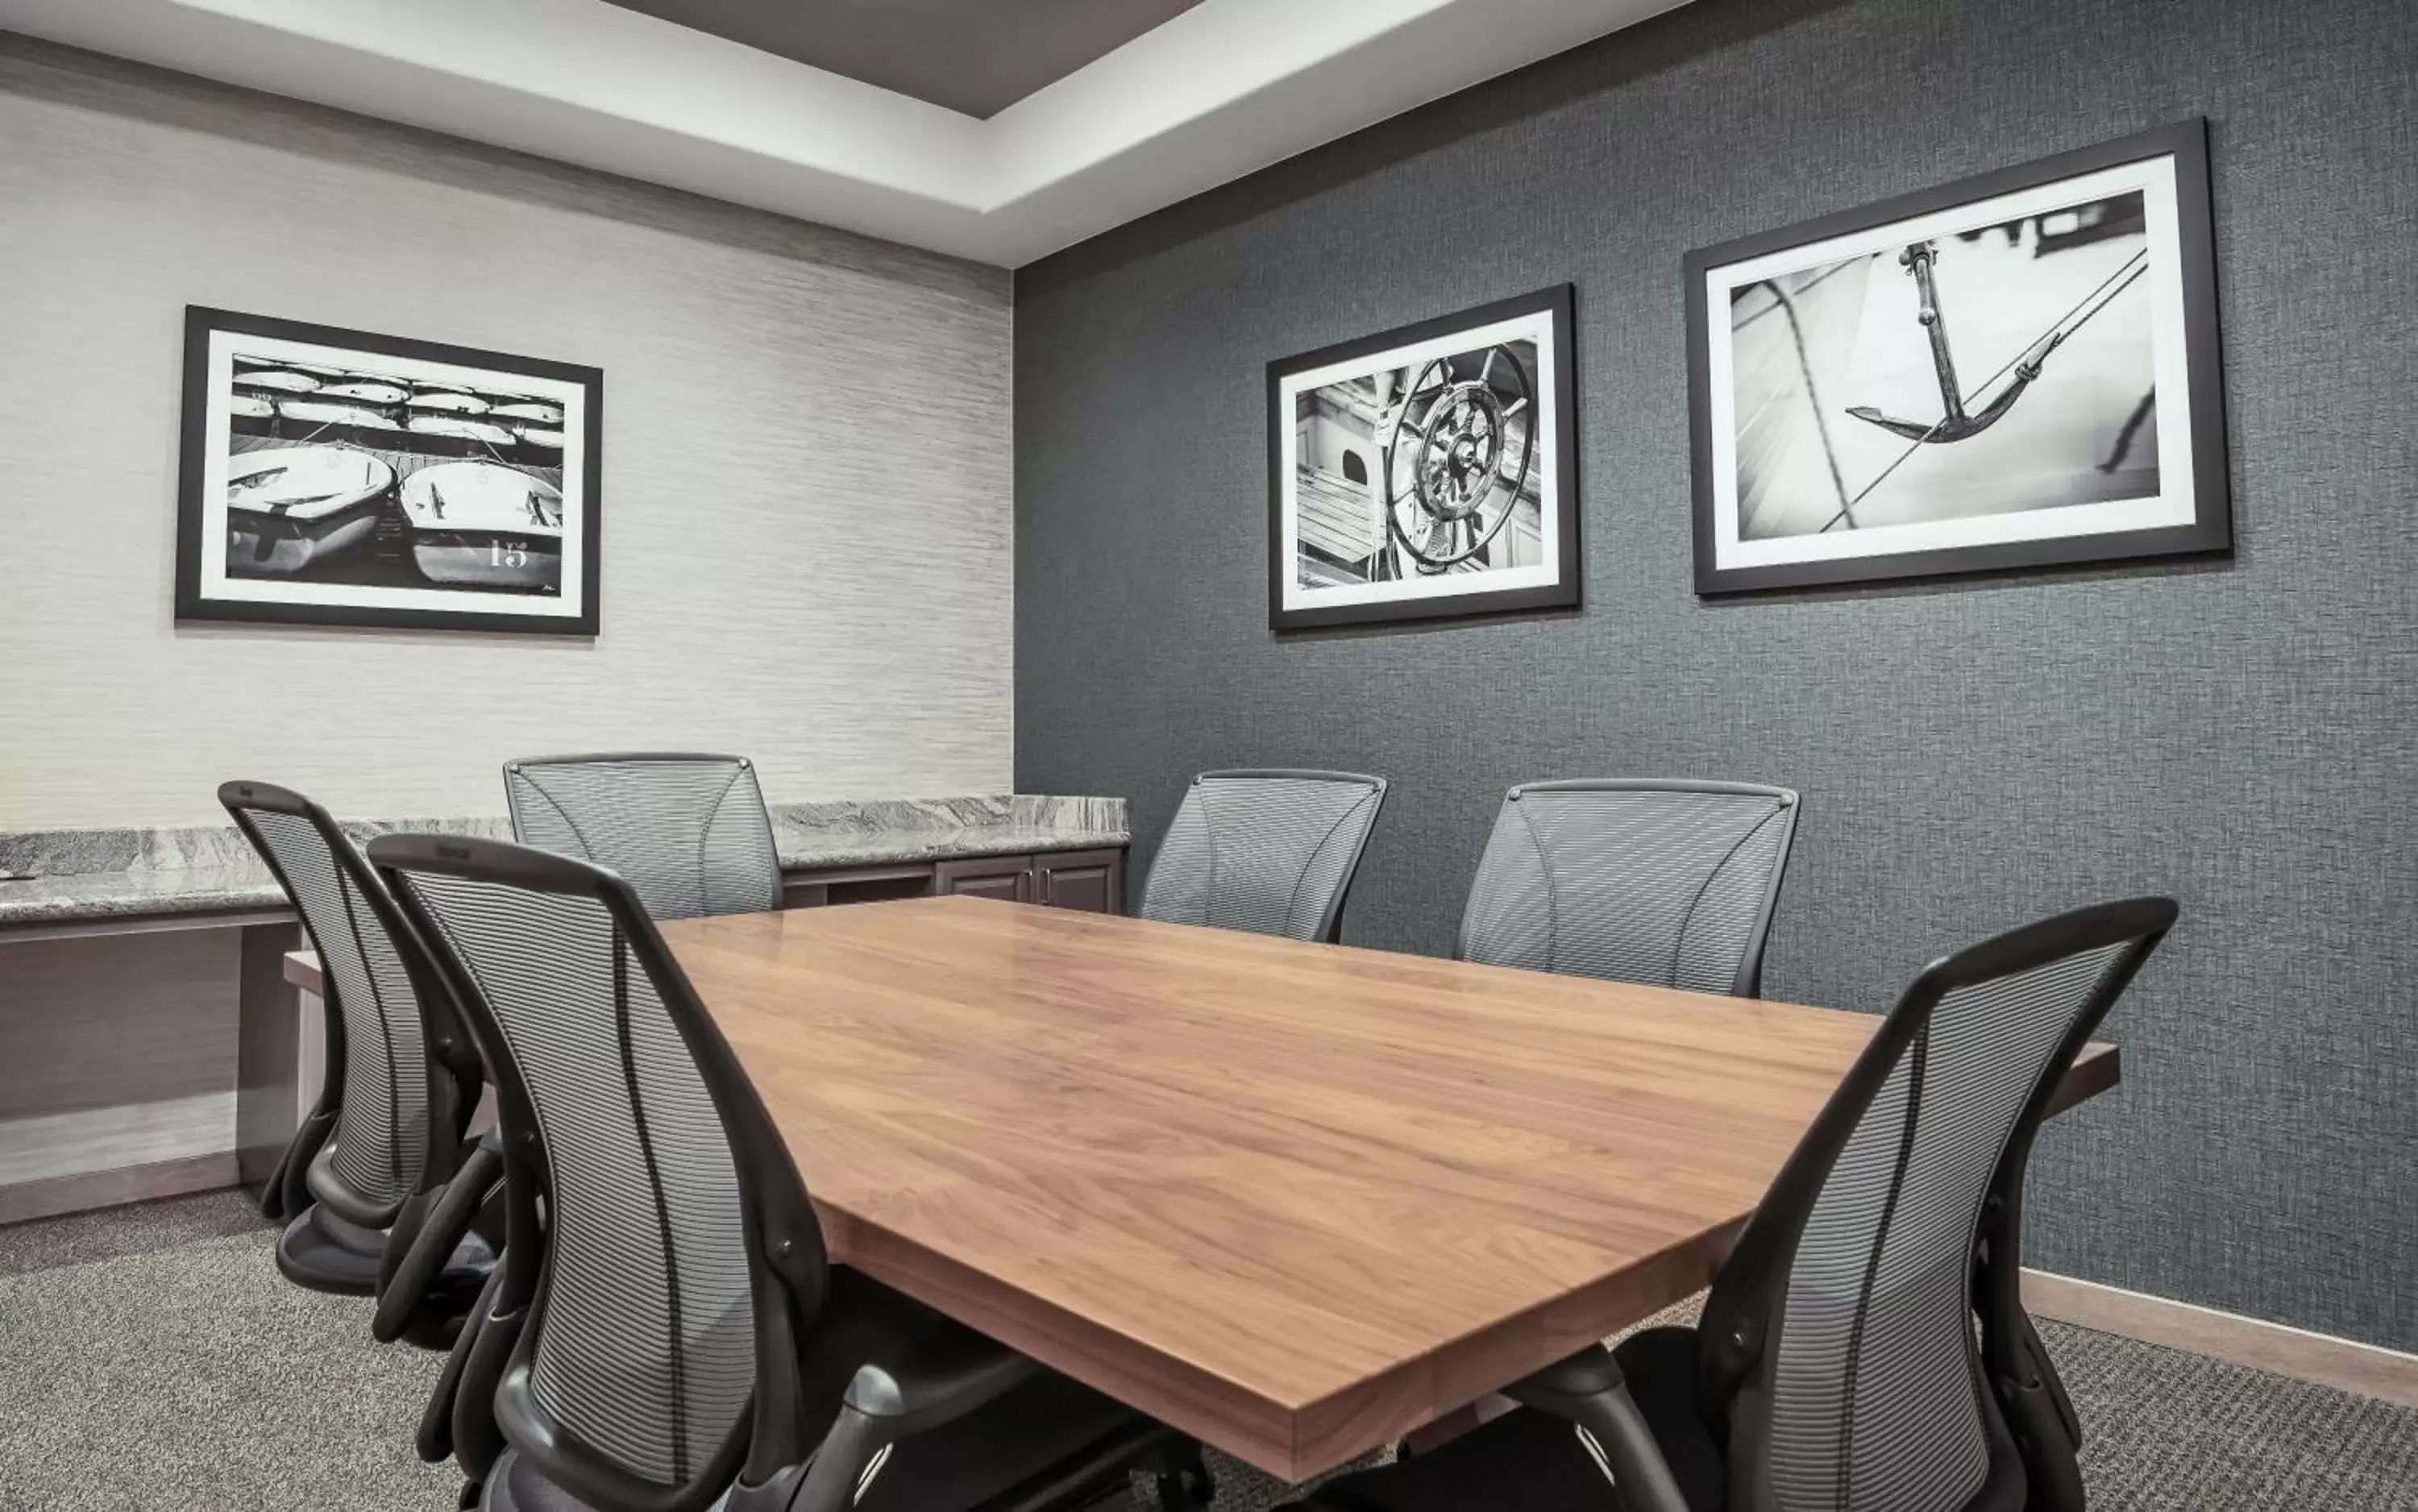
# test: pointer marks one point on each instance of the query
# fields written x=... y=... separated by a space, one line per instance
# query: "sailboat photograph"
x=341 y=478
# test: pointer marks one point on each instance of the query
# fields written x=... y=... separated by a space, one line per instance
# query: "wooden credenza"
x=1091 y=880
x=151 y=1042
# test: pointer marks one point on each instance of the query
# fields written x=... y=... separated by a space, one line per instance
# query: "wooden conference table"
x=1293 y=1199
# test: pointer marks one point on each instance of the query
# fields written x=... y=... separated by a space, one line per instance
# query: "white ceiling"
x=1225 y=88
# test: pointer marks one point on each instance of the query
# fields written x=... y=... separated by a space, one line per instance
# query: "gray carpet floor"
x=152 y=1357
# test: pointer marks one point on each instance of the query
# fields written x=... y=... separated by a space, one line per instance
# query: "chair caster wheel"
x=469 y=1497
x=1188 y=1490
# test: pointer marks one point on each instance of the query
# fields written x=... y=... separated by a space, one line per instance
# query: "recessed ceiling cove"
x=1119 y=107
x=974 y=56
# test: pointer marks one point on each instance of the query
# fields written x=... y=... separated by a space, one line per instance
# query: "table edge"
x=1297 y=1442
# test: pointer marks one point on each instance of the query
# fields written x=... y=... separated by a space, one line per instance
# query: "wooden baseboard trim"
x=92 y=1140
x=55 y=1195
x=2346 y=1365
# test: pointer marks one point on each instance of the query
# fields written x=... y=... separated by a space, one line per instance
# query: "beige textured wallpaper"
x=806 y=528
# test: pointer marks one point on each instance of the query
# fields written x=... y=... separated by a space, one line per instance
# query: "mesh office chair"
x=382 y=1199
x=1272 y=852
x=679 y=1329
x=1837 y=1367
x=1667 y=883
x=689 y=833
x=692 y=835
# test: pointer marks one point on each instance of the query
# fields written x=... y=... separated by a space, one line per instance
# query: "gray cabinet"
x=1009 y=879
x=1092 y=881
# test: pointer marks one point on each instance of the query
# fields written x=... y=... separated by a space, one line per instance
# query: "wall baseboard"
x=2346 y=1365
x=93 y=1140
x=54 y=1196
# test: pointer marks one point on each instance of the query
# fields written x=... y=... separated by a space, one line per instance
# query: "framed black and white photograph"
x=1426 y=471
x=2018 y=370
x=337 y=478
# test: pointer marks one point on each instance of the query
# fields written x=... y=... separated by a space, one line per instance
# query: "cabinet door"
x=1092 y=881
x=1009 y=879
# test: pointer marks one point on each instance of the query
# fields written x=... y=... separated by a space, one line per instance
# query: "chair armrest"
x=1588 y=1374
x=944 y=1378
x=425 y=1235
x=937 y=1382
x=1588 y=1389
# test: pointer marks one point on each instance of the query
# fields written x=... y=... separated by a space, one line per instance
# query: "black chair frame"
x=1746 y=1299
x=439 y=1205
x=763 y=1465
x=782 y=1240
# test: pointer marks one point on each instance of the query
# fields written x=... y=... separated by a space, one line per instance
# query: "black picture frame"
x=481 y=611
x=2209 y=529
x=1558 y=305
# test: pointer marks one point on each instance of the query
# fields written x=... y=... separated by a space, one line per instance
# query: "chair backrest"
x=1272 y=852
x=393 y=1100
x=1838 y=1341
x=671 y=1210
x=690 y=832
x=1667 y=883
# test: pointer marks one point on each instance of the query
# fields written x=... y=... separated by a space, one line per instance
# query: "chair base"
x=1187 y=1487
x=1097 y=1479
x=438 y=1322
x=516 y=1485
x=321 y=1252
x=1532 y=1460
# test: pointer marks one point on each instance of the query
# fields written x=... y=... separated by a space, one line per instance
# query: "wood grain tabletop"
x=1295 y=1199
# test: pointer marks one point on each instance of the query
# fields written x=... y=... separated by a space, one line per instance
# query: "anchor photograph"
x=1927 y=391
x=1424 y=471
x=370 y=480
x=2087 y=432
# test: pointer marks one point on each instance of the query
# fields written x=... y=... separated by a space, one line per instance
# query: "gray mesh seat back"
x=1272 y=852
x=1666 y=883
x=640 y=1354
x=689 y=833
x=1857 y=1275
x=380 y=1141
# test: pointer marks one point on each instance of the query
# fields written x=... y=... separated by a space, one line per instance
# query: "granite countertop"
x=815 y=836
x=62 y=877
x=80 y=899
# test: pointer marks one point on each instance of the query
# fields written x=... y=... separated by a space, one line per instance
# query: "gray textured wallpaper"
x=1972 y=753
